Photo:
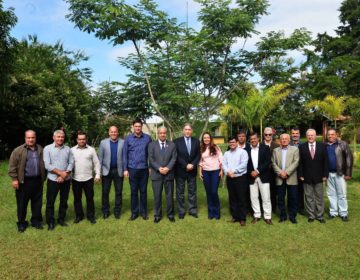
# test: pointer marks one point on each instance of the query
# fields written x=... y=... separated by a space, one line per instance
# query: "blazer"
x=291 y=165
x=158 y=158
x=313 y=170
x=183 y=157
x=264 y=162
x=105 y=156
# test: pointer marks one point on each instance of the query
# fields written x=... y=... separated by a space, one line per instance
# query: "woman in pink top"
x=210 y=173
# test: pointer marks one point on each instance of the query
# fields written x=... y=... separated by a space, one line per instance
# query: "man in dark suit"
x=313 y=171
x=258 y=170
x=268 y=140
x=162 y=159
x=188 y=157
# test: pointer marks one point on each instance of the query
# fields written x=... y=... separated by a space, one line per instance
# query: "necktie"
x=312 y=151
x=162 y=146
x=188 y=145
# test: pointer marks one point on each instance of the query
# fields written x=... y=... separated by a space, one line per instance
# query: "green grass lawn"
x=188 y=249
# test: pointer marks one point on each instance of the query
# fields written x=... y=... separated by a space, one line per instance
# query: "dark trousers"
x=158 y=186
x=180 y=194
x=88 y=187
x=291 y=200
x=211 y=181
x=31 y=189
x=53 y=188
x=138 y=179
x=273 y=194
x=238 y=188
x=113 y=176
x=301 y=197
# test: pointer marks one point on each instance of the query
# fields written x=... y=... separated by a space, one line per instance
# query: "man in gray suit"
x=110 y=156
x=162 y=158
x=285 y=160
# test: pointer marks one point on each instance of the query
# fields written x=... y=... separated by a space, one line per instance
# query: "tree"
x=353 y=105
x=250 y=106
x=334 y=66
x=183 y=72
x=331 y=107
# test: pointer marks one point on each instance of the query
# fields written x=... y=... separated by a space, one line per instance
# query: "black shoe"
x=92 y=221
x=78 y=220
x=106 y=215
x=38 y=226
x=345 y=219
x=133 y=218
x=145 y=217
x=51 y=226
x=62 y=223
x=322 y=221
x=282 y=220
x=331 y=217
x=194 y=215
x=293 y=221
x=310 y=220
x=172 y=219
x=157 y=220
x=182 y=216
x=117 y=216
x=21 y=228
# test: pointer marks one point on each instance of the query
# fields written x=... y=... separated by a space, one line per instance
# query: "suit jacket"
x=264 y=162
x=291 y=165
x=183 y=157
x=313 y=170
x=273 y=145
x=105 y=156
x=158 y=158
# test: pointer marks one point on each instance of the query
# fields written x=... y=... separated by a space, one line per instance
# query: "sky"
x=46 y=19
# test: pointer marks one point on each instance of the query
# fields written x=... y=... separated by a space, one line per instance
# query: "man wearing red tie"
x=313 y=171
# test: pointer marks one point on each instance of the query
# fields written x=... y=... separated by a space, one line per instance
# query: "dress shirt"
x=314 y=146
x=283 y=158
x=32 y=165
x=255 y=156
x=161 y=144
x=188 y=144
x=85 y=161
x=113 y=151
x=235 y=161
x=211 y=162
x=243 y=146
x=58 y=158
x=135 y=151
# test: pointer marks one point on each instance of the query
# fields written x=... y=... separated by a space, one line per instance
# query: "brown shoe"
x=268 y=221
x=255 y=220
x=242 y=223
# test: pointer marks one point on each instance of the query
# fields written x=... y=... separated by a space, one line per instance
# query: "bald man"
x=162 y=159
x=110 y=157
x=27 y=172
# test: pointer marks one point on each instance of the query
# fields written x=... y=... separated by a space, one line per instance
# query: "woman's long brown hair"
x=212 y=146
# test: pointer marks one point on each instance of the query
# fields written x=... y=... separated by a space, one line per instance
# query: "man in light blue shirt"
x=59 y=162
x=234 y=164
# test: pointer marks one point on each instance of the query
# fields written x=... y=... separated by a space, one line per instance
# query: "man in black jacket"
x=340 y=170
x=313 y=171
x=188 y=157
x=259 y=177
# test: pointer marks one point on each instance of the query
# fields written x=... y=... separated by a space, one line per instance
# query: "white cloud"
x=123 y=51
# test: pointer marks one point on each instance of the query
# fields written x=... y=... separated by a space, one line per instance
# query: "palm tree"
x=331 y=107
x=353 y=105
x=252 y=105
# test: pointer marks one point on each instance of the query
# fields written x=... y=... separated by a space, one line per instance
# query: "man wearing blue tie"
x=188 y=157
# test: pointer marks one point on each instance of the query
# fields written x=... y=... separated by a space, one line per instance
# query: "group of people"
x=258 y=175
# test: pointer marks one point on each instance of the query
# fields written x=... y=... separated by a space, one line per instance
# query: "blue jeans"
x=291 y=200
x=138 y=179
x=211 y=182
x=336 y=192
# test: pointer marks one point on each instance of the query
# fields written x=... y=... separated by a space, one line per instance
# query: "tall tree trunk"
x=261 y=129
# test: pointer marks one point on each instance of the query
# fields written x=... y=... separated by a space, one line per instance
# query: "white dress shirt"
x=235 y=161
x=255 y=156
x=85 y=161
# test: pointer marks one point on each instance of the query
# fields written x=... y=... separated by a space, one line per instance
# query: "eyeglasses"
x=268 y=134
